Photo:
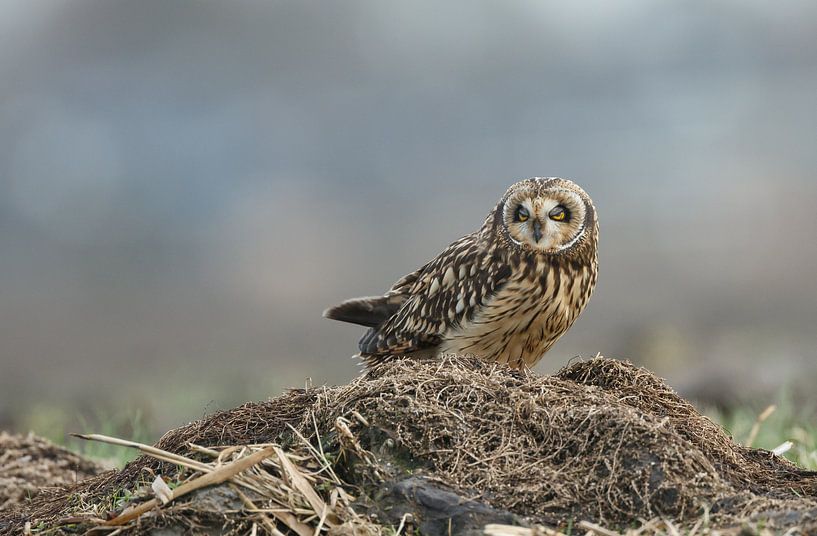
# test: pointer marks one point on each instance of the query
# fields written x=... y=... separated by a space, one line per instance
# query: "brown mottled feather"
x=431 y=307
x=488 y=294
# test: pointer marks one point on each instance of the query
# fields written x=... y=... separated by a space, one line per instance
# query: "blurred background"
x=185 y=186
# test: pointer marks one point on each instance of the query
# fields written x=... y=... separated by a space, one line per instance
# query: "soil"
x=30 y=463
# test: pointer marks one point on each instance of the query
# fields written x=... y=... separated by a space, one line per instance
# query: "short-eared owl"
x=504 y=293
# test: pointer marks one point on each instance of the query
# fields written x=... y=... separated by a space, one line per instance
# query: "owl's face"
x=546 y=215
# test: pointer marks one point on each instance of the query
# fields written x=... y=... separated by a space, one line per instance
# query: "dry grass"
x=602 y=442
x=274 y=488
x=29 y=463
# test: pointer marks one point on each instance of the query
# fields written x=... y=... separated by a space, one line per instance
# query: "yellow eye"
x=559 y=213
x=521 y=214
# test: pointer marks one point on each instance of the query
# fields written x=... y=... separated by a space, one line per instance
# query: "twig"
x=496 y=529
x=147 y=449
x=756 y=427
x=322 y=457
x=300 y=483
x=203 y=450
x=598 y=529
x=783 y=448
x=322 y=520
x=671 y=528
x=215 y=477
x=267 y=522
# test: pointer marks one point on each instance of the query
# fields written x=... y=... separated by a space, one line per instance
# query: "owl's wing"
x=439 y=296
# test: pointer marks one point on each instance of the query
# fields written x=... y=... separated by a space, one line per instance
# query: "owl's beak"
x=537 y=231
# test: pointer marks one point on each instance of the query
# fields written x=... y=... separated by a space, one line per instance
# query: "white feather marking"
x=575 y=239
x=461 y=305
x=435 y=286
x=449 y=277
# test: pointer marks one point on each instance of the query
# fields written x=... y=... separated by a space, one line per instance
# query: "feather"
x=490 y=294
x=372 y=311
x=369 y=311
x=410 y=330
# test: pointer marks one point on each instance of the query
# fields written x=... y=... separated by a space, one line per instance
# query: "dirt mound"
x=30 y=463
x=458 y=443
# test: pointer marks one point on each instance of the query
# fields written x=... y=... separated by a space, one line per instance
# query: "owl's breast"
x=522 y=320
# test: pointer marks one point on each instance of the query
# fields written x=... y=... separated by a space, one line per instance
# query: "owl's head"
x=545 y=215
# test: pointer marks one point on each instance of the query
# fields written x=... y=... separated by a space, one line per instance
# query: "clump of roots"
x=456 y=440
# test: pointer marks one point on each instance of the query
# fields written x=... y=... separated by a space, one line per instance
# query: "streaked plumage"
x=504 y=293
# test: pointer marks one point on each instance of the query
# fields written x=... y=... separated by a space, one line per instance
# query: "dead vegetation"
x=448 y=446
x=29 y=463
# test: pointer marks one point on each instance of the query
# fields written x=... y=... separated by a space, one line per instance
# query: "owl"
x=504 y=293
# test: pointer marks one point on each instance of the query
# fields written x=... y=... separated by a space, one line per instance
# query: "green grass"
x=787 y=422
x=55 y=423
x=129 y=426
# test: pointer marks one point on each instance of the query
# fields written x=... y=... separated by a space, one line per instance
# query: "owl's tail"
x=369 y=311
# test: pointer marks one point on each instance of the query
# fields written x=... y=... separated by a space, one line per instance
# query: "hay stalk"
x=216 y=476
